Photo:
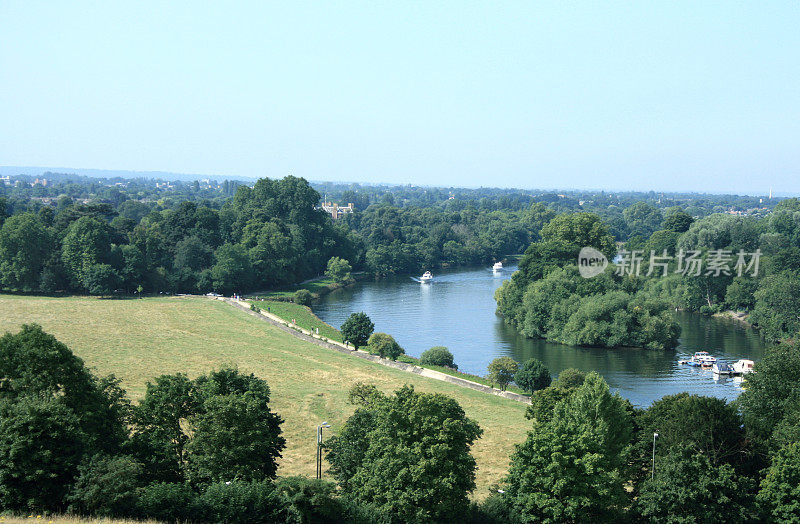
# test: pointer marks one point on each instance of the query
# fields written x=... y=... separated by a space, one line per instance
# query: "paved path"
x=308 y=336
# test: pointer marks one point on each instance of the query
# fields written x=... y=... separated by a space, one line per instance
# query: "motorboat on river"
x=743 y=367
x=722 y=368
x=498 y=266
x=700 y=359
x=426 y=277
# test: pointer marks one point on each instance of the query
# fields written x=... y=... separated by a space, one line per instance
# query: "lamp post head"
x=655 y=435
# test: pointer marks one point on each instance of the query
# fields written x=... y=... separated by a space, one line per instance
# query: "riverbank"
x=736 y=316
x=410 y=365
x=318 y=287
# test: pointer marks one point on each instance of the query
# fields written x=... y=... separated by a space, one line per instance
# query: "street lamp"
x=319 y=448
x=653 y=471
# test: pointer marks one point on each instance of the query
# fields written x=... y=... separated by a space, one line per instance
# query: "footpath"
x=309 y=336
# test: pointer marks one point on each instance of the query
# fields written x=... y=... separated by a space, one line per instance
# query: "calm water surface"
x=457 y=310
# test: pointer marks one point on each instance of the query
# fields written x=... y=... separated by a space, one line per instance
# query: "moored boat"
x=722 y=368
x=743 y=367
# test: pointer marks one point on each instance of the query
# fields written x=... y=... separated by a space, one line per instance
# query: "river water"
x=457 y=310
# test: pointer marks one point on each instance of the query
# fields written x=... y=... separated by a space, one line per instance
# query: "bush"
x=502 y=371
x=384 y=345
x=302 y=297
x=309 y=500
x=106 y=487
x=532 y=376
x=255 y=308
x=165 y=501
x=237 y=501
x=357 y=329
x=570 y=378
x=438 y=356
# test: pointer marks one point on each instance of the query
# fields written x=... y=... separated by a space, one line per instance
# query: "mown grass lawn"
x=302 y=315
x=140 y=339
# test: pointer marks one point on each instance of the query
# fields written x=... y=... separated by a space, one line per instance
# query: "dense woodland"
x=105 y=236
x=206 y=450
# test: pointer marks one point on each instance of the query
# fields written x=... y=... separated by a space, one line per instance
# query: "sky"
x=665 y=96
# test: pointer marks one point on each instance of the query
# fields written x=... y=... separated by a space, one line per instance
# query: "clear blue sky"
x=636 y=95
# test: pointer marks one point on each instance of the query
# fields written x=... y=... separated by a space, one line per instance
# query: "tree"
x=33 y=362
x=86 y=243
x=106 y=486
x=302 y=297
x=777 y=306
x=678 y=221
x=339 y=270
x=159 y=440
x=41 y=446
x=232 y=270
x=572 y=467
x=438 y=356
x=236 y=435
x=407 y=455
x=770 y=392
x=780 y=490
x=24 y=249
x=570 y=378
x=101 y=279
x=688 y=487
x=532 y=376
x=502 y=371
x=384 y=345
x=357 y=329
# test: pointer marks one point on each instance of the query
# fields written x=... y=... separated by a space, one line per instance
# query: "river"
x=457 y=310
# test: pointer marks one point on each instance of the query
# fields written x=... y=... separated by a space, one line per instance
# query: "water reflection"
x=457 y=311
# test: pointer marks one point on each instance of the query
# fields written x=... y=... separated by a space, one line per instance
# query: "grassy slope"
x=302 y=315
x=140 y=339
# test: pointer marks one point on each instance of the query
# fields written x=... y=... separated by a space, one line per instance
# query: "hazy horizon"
x=677 y=96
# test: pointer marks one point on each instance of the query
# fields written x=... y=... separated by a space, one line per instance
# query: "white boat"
x=426 y=277
x=722 y=368
x=498 y=266
x=701 y=359
x=743 y=367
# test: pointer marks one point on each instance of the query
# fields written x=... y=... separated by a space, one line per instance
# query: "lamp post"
x=319 y=448
x=653 y=471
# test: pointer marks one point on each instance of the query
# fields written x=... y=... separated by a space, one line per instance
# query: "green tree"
x=678 y=221
x=87 y=243
x=532 y=376
x=642 y=219
x=771 y=392
x=570 y=378
x=339 y=270
x=24 y=249
x=357 y=329
x=106 y=486
x=384 y=345
x=236 y=435
x=101 y=279
x=777 y=306
x=33 y=362
x=232 y=271
x=41 y=446
x=159 y=440
x=572 y=466
x=407 y=455
x=302 y=297
x=502 y=371
x=438 y=356
x=689 y=487
x=780 y=490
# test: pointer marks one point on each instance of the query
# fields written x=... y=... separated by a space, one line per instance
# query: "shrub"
x=570 y=378
x=237 y=501
x=302 y=297
x=532 y=376
x=438 y=356
x=384 y=345
x=106 y=487
x=255 y=308
x=502 y=371
x=167 y=501
x=357 y=329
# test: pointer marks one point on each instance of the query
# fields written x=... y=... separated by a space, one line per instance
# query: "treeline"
x=268 y=235
x=744 y=264
x=206 y=450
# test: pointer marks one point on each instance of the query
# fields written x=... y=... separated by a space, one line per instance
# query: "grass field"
x=302 y=315
x=316 y=287
x=140 y=339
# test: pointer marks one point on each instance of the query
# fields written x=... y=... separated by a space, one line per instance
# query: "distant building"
x=335 y=210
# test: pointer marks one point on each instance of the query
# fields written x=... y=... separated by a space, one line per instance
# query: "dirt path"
x=308 y=336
